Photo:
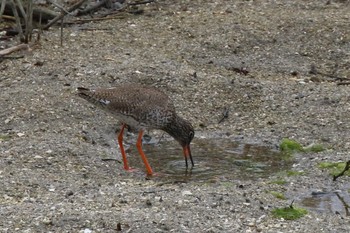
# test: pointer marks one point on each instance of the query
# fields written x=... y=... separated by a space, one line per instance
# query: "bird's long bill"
x=187 y=153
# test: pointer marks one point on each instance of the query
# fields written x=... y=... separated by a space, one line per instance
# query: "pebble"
x=186 y=192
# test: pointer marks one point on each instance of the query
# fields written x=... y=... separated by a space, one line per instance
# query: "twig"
x=11 y=57
x=13 y=49
x=221 y=194
x=343 y=83
x=40 y=29
x=346 y=206
x=291 y=204
x=59 y=7
x=157 y=191
x=224 y=115
x=62 y=28
x=347 y=167
x=313 y=70
x=95 y=19
x=57 y=18
x=111 y=159
x=172 y=182
x=139 y=3
x=95 y=29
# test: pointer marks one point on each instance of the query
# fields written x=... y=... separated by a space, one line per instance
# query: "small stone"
x=69 y=193
x=148 y=203
x=251 y=224
x=160 y=199
x=47 y=221
x=294 y=73
x=186 y=192
x=119 y=226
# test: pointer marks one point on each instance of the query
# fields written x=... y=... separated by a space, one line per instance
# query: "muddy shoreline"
x=53 y=145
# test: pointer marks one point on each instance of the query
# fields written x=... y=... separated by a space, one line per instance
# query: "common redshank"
x=142 y=108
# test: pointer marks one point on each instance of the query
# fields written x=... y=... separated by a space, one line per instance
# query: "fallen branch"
x=8 y=17
x=94 y=19
x=13 y=49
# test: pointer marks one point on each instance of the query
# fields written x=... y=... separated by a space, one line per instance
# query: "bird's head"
x=182 y=131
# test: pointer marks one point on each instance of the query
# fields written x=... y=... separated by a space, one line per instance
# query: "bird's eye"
x=191 y=135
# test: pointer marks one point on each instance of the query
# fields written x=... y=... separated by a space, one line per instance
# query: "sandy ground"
x=53 y=174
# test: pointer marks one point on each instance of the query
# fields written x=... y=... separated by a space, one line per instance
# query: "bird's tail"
x=84 y=93
x=91 y=96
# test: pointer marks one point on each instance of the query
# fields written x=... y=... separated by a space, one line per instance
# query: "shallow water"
x=331 y=202
x=219 y=160
x=215 y=159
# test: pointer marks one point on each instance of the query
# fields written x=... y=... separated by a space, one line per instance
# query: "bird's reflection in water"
x=214 y=160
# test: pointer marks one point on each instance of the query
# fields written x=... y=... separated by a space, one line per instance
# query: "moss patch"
x=278 y=195
x=279 y=181
x=289 y=213
x=314 y=148
x=294 y=173
x=334 y=168
x=5 y=137
x=289 y=146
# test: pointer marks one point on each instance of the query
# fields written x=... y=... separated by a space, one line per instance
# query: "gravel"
x=274 y=64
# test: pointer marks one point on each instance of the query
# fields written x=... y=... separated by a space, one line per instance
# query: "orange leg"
x=143 y=156
x=120 y=142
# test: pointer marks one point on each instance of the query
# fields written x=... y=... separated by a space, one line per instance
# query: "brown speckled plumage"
x=142 y=108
